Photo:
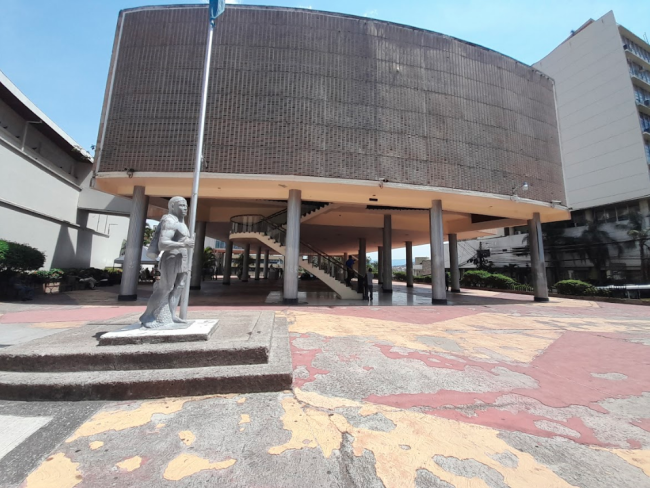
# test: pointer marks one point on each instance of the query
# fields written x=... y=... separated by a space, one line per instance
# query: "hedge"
x=497 y=280
x=19 y=257
x=576 y=287
x=475 y=277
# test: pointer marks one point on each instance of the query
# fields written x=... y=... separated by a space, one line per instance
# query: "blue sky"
x=58 y=52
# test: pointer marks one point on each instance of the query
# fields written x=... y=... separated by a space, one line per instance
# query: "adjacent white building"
x=602 y=89
x=46 y=200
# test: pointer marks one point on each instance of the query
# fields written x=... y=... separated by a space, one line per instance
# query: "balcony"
x=643 y=107
x=646 y=132
x=635 y=58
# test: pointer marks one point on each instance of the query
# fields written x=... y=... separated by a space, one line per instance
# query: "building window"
x=641 y=96
x=607 y=214
x=579 y=218
x=638 y=71
x=633 y=47
x=644 y=119
x=647 y=151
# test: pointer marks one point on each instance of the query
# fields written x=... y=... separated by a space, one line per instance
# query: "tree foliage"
x=19 y=257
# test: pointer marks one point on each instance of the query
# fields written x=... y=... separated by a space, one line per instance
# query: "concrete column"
x=293 y=247
x=537 y=264
x=227 y=263
x=409 y=264
x=197 y=256
x=439 y=295
x=266 y=264
x=133 y=252
x=388 y=254
x=363 y=266
x=644 y=210
x=453 y=263
x=247 y=257
x=380 y=264
x=258 y=263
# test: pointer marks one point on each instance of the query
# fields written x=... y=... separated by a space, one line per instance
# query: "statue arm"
x=166 y=242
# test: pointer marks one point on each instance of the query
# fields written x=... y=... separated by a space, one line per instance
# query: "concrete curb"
x=275 y=375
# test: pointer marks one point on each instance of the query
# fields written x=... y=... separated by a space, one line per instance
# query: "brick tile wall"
x=299 y=92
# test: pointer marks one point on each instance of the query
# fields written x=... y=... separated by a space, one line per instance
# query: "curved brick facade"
x=301 y=92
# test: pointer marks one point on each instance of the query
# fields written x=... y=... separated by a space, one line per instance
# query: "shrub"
x=575 y=287
x=500 y=281
x=19 y=257
x=399 y=275
x=44 y=276
x=475 y=277
x=422 y=279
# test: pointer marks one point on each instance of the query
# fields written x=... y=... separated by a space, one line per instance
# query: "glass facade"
x=647 y=151
x=644 y=119
x=636 y=49
x=639 y=71
x=641 y=96
x=618 y=213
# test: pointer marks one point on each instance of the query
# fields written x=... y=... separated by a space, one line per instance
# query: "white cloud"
x=233 y=1
x=371 y=13
x=305 y=6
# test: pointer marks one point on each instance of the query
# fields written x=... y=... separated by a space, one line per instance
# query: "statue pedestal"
x=196 y=330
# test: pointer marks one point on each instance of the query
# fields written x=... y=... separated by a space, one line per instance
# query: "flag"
x=216 y=9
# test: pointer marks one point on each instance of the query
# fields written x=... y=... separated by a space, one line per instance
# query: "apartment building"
x=602 y=89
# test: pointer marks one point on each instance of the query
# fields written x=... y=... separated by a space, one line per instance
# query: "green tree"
x=594 y=245
x=209 y=259
x=640 y=234
x=556 y=244
x=15 y=257
x=148 y=234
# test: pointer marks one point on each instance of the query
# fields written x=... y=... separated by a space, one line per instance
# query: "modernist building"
x=328 y=135
x=602 y=85
x=46 y=200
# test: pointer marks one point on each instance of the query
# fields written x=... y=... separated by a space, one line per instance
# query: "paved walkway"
x=494 y=391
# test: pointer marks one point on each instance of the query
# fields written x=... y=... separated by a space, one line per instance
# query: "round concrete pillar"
x=134 y=243
x=227 y=263
x=537 y=262
x=292 y=247
x=439 y=295
x=453 y=263
x=197 y=256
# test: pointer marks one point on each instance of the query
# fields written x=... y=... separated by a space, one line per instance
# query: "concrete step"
x=239 y=338
x=121 y=384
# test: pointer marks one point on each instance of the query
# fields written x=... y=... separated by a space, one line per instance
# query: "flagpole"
x=197 y=171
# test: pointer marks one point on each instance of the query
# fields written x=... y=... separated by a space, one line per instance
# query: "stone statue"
x=173 y=238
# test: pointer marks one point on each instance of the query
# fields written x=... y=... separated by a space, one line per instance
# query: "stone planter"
x=52 y=286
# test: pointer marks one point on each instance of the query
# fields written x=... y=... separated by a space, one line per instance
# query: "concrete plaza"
x=492 y=391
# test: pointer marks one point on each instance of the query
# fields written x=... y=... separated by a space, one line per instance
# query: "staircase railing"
x=259 y=224
x=280 y=217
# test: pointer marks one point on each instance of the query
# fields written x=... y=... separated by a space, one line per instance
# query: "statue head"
x=178 y=206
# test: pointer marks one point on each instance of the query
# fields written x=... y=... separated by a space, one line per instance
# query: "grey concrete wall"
x=39 y=202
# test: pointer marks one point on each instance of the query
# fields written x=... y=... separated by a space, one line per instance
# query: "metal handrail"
x=259 y=224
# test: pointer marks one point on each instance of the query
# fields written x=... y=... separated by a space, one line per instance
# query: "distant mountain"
x=399 y=262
